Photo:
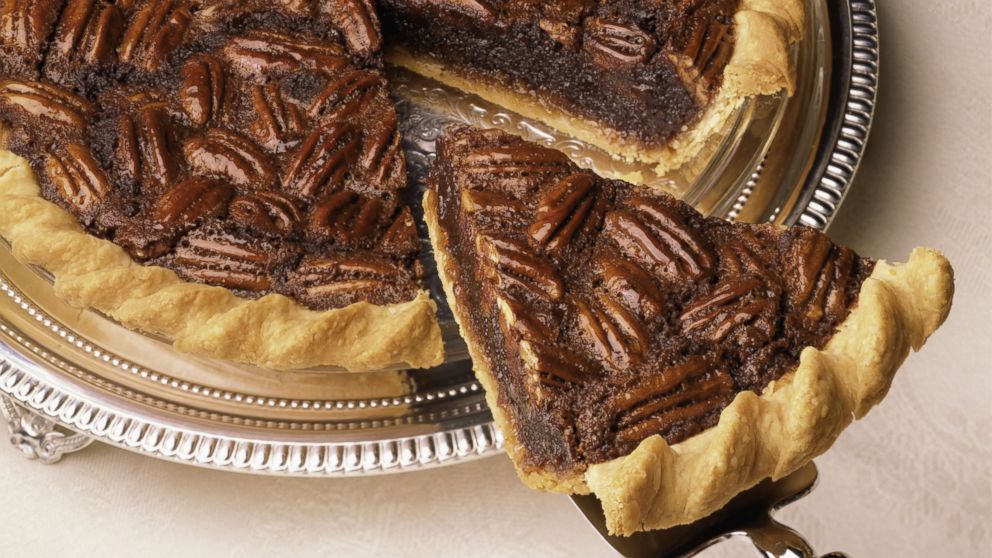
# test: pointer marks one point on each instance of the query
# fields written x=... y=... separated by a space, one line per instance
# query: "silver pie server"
x=749 y=514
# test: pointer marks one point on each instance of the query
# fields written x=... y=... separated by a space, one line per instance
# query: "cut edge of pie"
x=759 y=65
x=796 y=418
x=273 y=331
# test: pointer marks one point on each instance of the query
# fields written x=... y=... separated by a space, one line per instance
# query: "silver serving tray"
x=778 y=160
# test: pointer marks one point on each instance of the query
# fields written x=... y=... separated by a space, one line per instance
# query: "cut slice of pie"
x=228 y=174
x=642 y=79
x=664 y=361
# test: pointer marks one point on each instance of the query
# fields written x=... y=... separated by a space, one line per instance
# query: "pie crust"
x=795 y=419
x=760 y=65
x=274 y=331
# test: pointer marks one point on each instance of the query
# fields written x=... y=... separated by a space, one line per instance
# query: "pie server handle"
x=775 y=540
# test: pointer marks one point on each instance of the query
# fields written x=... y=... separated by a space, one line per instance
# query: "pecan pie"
x=245 y=152
x=643 y=79
x=664 y=361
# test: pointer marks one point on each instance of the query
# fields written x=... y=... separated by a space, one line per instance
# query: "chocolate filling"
x=647 y=69
x=609 y=312
x=250 y=145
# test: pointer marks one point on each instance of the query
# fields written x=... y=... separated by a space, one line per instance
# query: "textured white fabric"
x=913 y=479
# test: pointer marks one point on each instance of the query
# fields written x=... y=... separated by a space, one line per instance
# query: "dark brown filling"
x=610 y=312
x=646 y=69
x=246 y=144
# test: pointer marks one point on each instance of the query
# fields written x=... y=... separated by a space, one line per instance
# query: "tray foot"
x=37 y=437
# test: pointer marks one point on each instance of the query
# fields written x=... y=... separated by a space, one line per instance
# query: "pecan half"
x=358 y=23
x=819 y=277
x=25 y=26
x=347 y=218
x=524 y=321
x=88 y=33
x=224 y=259
x=617 y=336
x=204 y=91
x=709 y=49
x=156 y=30
x=655 y=404
x=78 y=179
x=224 y=154
x=628 y=284
x=38 y=103
x=346 y=96
x=191 y=202
x=550 y=366
x=145 y=148
x=491 y=204
x=401 y=236
x=660 y=237
x=258 y=54
x=336 y=281
x=565 y=208
x=726 y=308
x=271 y=213
x=382 y=153
x=513 y=169
x=612 y=45
x=322 y=162
x=280 y=121
x=514 y=266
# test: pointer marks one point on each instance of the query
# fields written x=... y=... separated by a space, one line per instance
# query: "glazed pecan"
x=561 y=32
x=204 y=91
x=660 y=237
x=346 y=217
x=612 y=45
x=629 y=285
x=401 y=236
x=740 y=256
x=78 y=179
x=819 y=278
x=26 y=24
x=512 y=169
x=655 y=404
x=524 y=321
x=280 y=121
x=491 y=204
x=709 y=49
x=40 y=102
x=258 y=54
x=88 y=33
x=730 y=305
x=569 y=206
x=335 y=281
x=617 y=335
x=270 y=213
x=191 y=202
x=346 y=96
x=512 y=265
x=550 y=366
x=358 y=23
x=155 y=31
x=322 y=161
x=145 y=148
x=382 y=152
x=224 y=154
x=224 y=259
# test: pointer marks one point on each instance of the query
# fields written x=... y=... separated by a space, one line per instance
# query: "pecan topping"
x=381 y=151
x=614 y=45
x=629 y=284
x=26 y=24
x=561 y=32
x=88 y=33
x=725 y=309
x=323 y=161
x=191 y=202
x=204 y=90
x=78 y=178
x=524 y=321
x=280 y=120
x=358 y=23
x=348 y=95
x=513 y=265
x=493 y=204
x=819 y=282
x=660 y=237
x=550 y=366
x=145 y=148
x=38 y=101
x=401 y=237
x=225 y=154
x=259 y=54
x=568 y=206
x=339 y=280
x=617 y=336
x=346 y=217
x=220 y=258
x=516 y=170
x=655 y=404
x=155 y=31
x=709 y=48
x=271 y=213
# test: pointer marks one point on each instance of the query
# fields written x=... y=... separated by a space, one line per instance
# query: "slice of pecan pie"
x=245 y=152
x=664 y=361
x=643 y=79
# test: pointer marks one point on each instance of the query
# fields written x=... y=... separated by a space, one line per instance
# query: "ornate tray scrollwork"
x=68 y=377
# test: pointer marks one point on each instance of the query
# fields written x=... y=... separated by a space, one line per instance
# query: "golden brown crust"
x=274 y=331
x=760 y=65
x=795 y=419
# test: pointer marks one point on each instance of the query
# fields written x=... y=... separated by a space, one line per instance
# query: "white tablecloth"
x=913 y=479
